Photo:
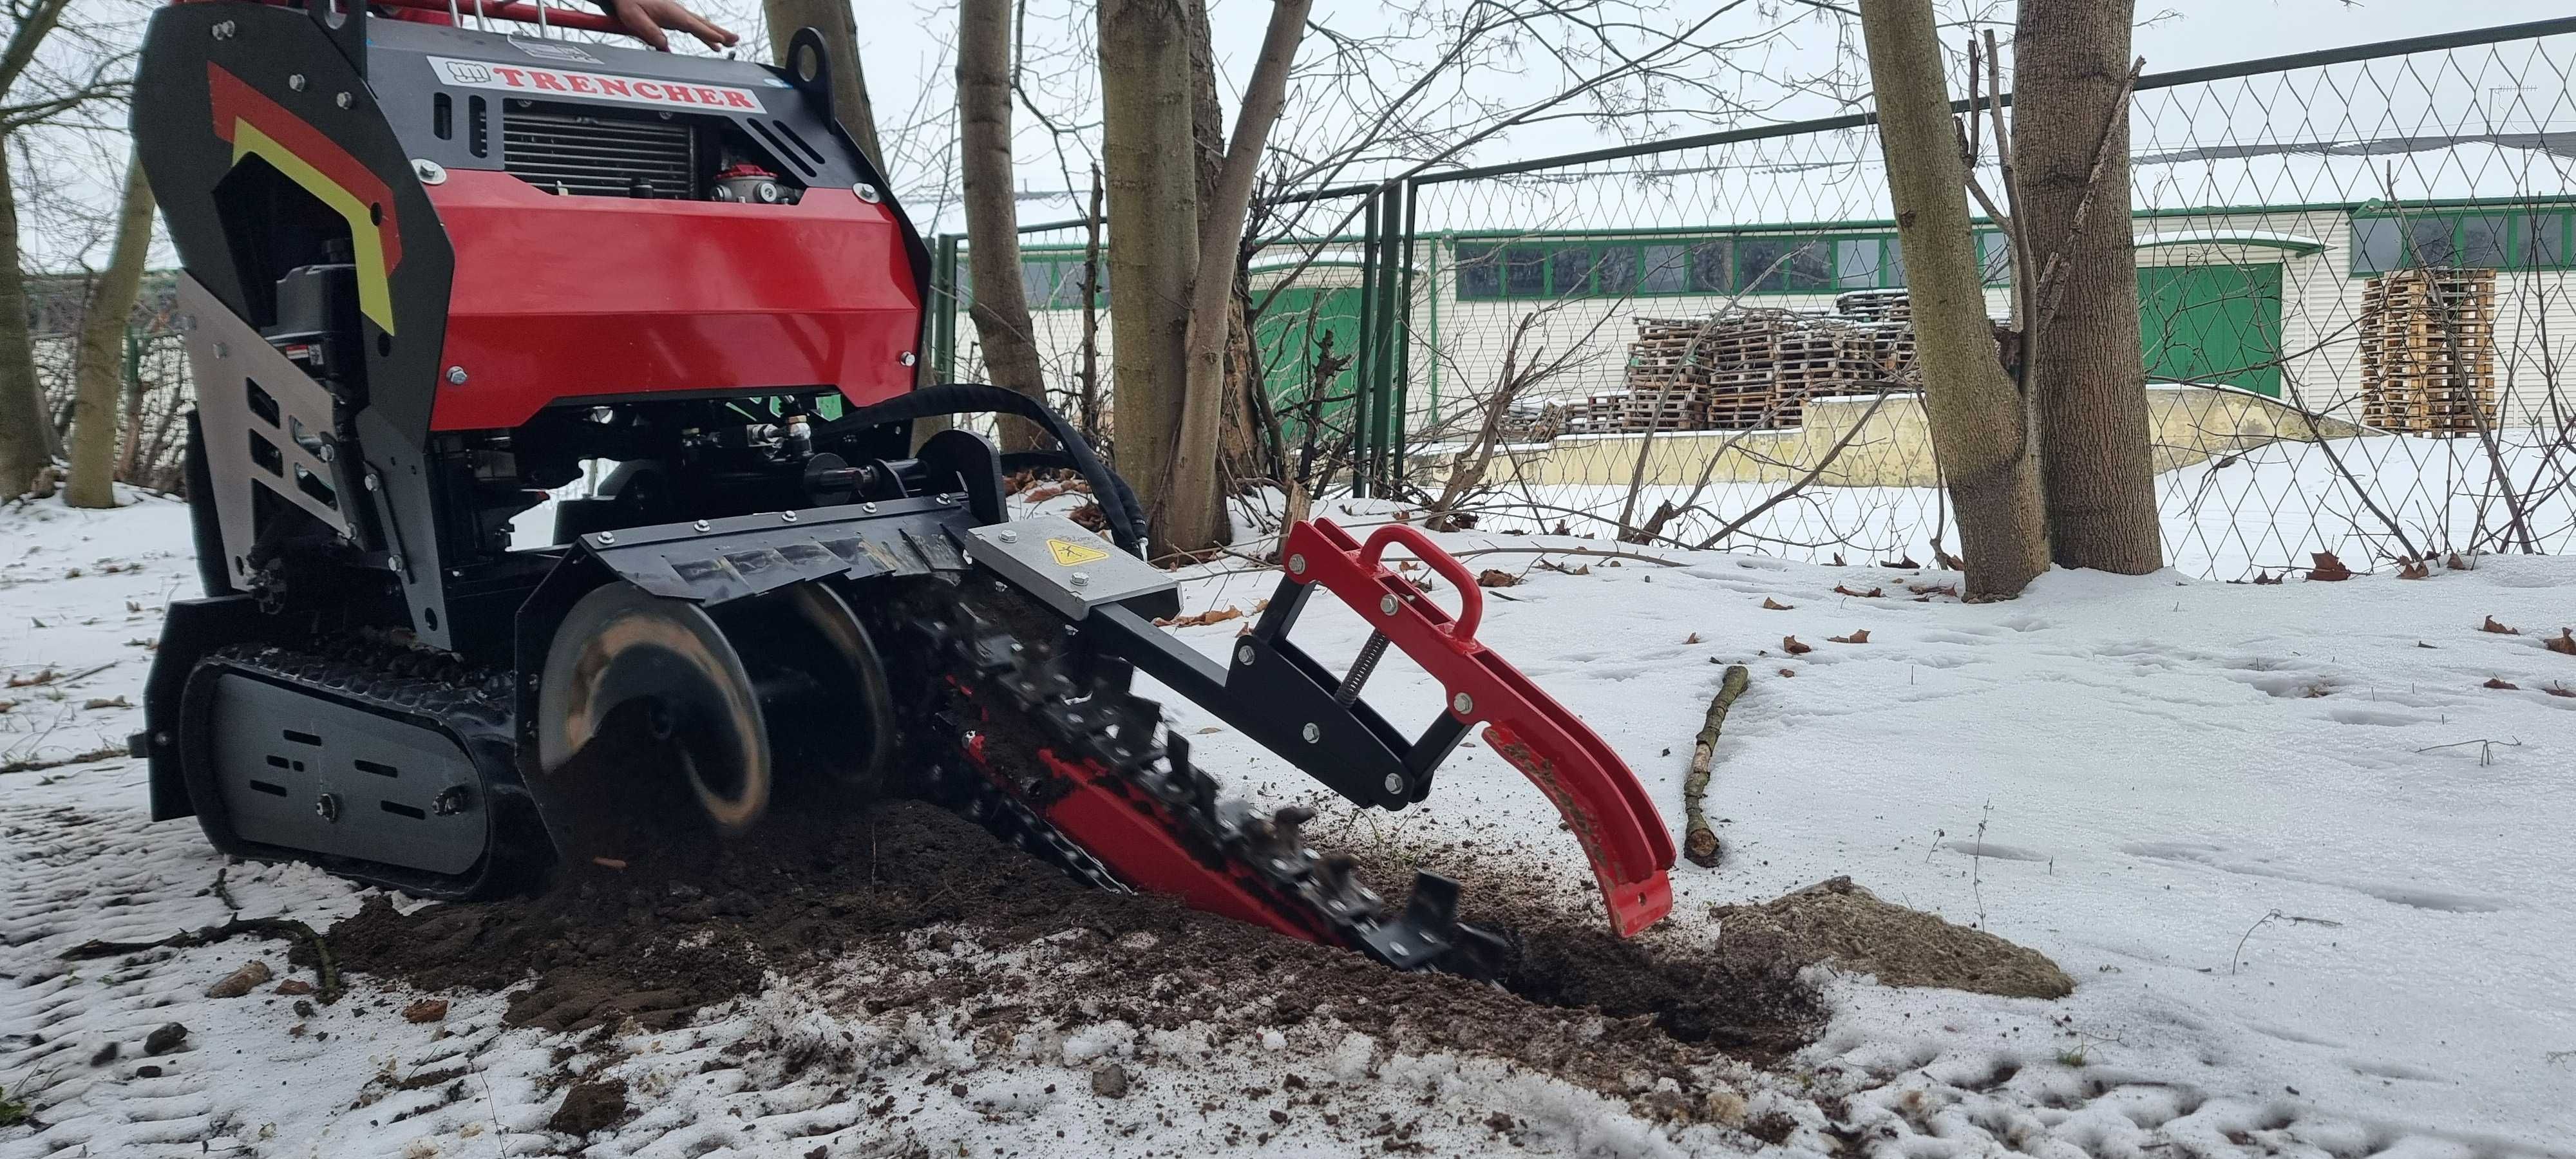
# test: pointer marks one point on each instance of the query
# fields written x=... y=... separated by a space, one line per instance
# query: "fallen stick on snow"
x=1699 y=842
x=323 y=967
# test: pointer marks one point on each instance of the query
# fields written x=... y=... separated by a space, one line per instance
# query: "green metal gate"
x=1288 y=337
x=2212 y=324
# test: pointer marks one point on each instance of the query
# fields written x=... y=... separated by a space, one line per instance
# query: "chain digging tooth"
x=1103 y=722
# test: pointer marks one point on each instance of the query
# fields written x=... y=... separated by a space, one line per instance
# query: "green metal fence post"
x=1361 y=381
x=943 y=304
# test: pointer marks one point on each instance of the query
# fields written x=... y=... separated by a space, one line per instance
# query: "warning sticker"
x=1071 y=554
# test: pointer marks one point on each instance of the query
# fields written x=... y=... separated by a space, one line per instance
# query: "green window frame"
x=1816 y=262
x=2470 y=237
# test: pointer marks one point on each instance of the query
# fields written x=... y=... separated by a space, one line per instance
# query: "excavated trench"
x=664 y=924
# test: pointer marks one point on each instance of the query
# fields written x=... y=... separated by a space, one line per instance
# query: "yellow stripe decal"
x=375 y=291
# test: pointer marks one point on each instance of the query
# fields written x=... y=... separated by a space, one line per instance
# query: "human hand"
x=647 y=18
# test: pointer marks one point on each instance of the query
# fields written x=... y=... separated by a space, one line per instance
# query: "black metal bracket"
x=1287 y=702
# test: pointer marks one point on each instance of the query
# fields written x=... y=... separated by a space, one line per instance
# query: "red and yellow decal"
x=259 y=127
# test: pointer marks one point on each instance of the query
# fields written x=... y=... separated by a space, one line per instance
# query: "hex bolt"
x=296 y=82
x=373 y=482
x=787 y=516
x=1386 y=604
x=456 y=376
x=868 y=508
x=429 y=172
x=701 y=525
x=223 y=351
x=1311 y=733
x=224 y=31
x=1081 y=579
x=867 y=193
x=1463 y=703
x=1394 y=784
x=342 y=100
x=908 y=358
x=450 y=802
x=1243 y=655
x=1395 y=948
x=605 y=538
x=327 y=807
x=326 y=452
x=1296 y=565
x=394 y=562
x=1008 y=536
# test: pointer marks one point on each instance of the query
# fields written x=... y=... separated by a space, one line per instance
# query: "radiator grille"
x=599 y=155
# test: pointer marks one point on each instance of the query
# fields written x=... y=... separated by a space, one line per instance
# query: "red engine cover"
x=566 y=297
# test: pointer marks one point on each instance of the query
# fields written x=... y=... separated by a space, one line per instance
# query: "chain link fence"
x=2353 y=273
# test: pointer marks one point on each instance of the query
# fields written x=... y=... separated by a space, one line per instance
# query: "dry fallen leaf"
x=1838 y=560
x=1788 y=672
x=2414 y=569
x=426 y=1010
x=1950 y=590
x=1040 y=494
x=1210 y=616
x=608 y=862
x=2328 y=568
x=2455 y=563
x=1494 y=577
x=1693 y=638
x=2265 y=577
x=1791 y=645
x=2492 y=626
x=1858 y=636
x=1905 y=564
x=2496 y=682
x=2564 y=644
x=1871 y=594
x=1776 y=605
x=2560 y=690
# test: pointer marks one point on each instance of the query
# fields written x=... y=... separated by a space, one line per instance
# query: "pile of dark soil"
x=1838 y=922
x=687 y=924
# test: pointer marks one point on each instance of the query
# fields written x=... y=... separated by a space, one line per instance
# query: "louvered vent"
x=600 y=155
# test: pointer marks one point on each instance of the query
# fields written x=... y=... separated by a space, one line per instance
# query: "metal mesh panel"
x=2354 y=280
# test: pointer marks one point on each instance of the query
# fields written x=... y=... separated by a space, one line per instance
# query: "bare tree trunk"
x=850 y=103
x=23 y=421
x=1207 y=128
x=1091 y=411
x=1212 y=295
x=1001 y=305
x=1146 y=153
x=2071 y=141
x=1976 y=415
x=100 y=371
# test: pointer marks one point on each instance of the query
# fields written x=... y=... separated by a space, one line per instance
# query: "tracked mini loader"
x=432 y=270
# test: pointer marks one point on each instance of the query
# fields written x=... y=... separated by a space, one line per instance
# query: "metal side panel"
x=302 y=772
x=1063 y=563
x=266 y=424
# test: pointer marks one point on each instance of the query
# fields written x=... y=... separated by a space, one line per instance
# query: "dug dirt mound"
x=693 y=924
x=1839 y=923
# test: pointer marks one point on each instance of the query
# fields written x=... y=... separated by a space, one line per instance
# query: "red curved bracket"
x=1623 y=836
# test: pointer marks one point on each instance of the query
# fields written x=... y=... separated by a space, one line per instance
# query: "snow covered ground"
x=2309 y=871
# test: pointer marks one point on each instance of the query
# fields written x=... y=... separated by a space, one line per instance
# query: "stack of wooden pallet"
x=1600 y=414
x=1875 y=306
x=2428 y=351
x=1826 y=357
x=1744 y=386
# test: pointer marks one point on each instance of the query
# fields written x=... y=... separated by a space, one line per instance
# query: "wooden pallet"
x=2428 y=350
